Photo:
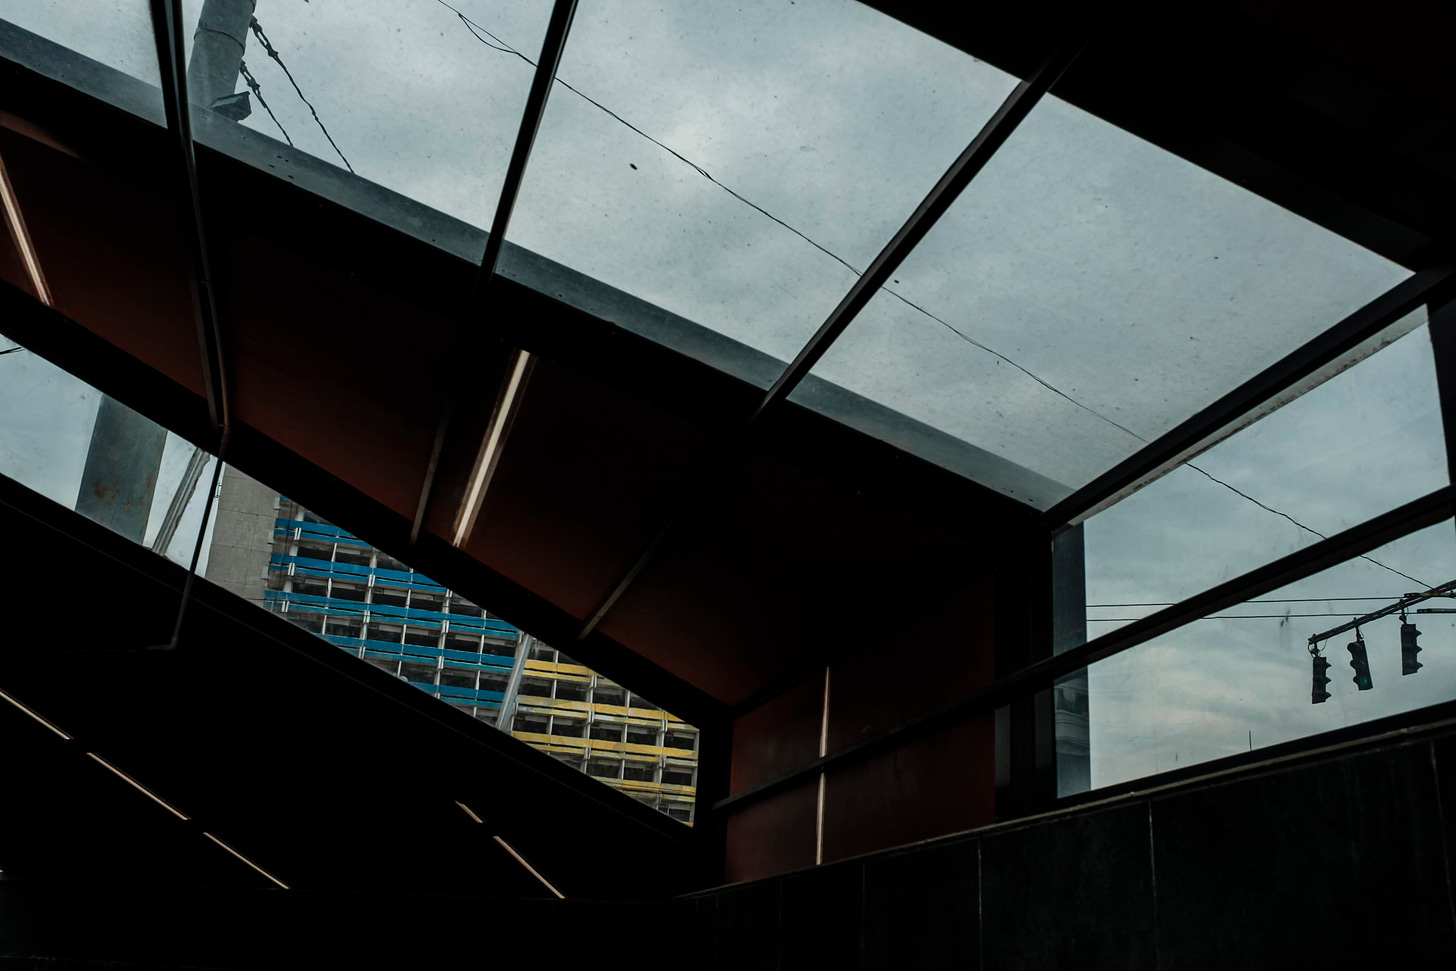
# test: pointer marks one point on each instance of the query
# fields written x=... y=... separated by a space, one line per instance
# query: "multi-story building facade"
x=276 y=553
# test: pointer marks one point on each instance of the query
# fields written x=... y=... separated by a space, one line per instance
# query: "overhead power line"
x=495 y=43
x=273 y=53
x=1282 y=600
x=1121 y=620
x=257 y=90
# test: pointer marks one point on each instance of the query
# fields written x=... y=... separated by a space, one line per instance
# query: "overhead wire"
x=257 y=90
x=1282 y=600
x=476 y=30
x=1121 y=620
x=272 y=52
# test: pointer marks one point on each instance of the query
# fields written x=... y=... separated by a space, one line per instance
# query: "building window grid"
x=576 y=751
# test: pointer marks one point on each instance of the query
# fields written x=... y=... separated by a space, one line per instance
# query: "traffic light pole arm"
x=1444 y=590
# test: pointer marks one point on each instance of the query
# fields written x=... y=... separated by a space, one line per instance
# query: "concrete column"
x=217 y=50
x=120 y=477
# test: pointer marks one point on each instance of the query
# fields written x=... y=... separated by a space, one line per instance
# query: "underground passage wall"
x=1332 y=860
x=916 y=789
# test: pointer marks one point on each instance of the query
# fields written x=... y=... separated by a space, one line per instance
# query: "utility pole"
x=125 y=455
x=122 y=464
x=217 y=52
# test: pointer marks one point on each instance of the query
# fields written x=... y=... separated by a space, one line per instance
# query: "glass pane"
x=709 y=158
x=1086 y=293
x=46 y=418
x=62 y=438
x=1360 y=444
x=274 y=552
x=420 y=96
x=118 y=33
x=1241 y=679
x=183 y=478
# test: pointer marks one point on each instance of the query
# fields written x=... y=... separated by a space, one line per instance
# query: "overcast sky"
x=1127 y=279
x=46 y=417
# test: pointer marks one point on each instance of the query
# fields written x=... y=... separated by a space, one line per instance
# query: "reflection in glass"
x=118 y=33
x=1241 y=679
x=1086 y=293
x=417 y=96
x=684 y=123
x=1360 y=444
x=274 y=552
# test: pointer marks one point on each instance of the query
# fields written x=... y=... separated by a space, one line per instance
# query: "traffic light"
x=1321 y=678
x=1360 y=663
x=1409 y=649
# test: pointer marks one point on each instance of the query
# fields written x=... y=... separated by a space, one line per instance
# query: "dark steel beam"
x=552 y=47
x=172 y=62
x=1196 y=433
x=106 y=367
x=1423 y=512
x=1443 y=344
x=306 y=653
x=1404 y=726
x=941 y=197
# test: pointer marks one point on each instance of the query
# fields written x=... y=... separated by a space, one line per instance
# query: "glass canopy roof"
x=732 y=162
x=415 y=96
x=118 y=33
x=1087 y=292
x=1360 y=444
x=740 y=165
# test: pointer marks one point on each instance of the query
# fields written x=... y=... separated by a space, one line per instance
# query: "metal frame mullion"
x=942 y=196
x=1442 y=324
x=552 y=47
x=993 y=134
x=172 y=62
x=1194 y=434
x=1423 y=512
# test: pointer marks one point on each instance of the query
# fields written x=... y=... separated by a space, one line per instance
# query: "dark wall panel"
x=1445 y=749
x=305 y=336
x=922 y=908
x=938 y=784
x=12 y=269
x=1384 y=49
x=747 y=931
x=821 y=918
x=925 y=661
x=772 y=836
x=1072 y=892
x=1308 y=867
x=69 y=926
x=585 y=477
x=778 y=737
x=109 y=243
x=774 y=570
x=1334 y=858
